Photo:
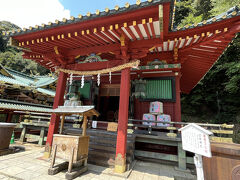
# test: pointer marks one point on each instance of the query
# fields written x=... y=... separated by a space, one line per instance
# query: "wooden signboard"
x=196 y=139
x=112 y=126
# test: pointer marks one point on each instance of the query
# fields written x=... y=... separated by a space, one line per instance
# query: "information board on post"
x=196 y=139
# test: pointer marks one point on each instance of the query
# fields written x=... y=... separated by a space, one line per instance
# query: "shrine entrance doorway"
x=108 y=104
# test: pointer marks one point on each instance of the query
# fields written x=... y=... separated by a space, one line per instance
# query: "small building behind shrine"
x=21 y=94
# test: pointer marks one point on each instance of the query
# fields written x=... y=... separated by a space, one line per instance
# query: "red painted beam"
x=70 y=41
x=104 y=37
x=218 y=44
x=215 y=50
x=146 y=30
x=95 y=38
x=106 y=32
x=216 y=36
x=82 y=40
x=131 y=33
x=122 y=33
x=185 y=42
x=177 y=105
x=85 y=40
x=137 y=29
x=159 y=55
x=115 y=32
x=75 y=39
x=54 y=41
x=152 y=29
x=201 y=54
x=96 y=49
x=94 y=65
x=39 y=48
x=166 y=14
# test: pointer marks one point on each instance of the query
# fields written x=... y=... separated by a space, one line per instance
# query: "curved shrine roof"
x=18 y=80
x=144 y=26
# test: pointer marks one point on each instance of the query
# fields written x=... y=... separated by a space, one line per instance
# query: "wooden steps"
x=102 y=147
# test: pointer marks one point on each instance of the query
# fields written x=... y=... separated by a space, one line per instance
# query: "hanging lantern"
x=140 y=88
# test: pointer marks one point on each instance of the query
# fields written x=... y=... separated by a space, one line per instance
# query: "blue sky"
x=25 y=13
x=83 y=6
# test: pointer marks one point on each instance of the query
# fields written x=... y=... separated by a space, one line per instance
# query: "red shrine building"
x=126 y=58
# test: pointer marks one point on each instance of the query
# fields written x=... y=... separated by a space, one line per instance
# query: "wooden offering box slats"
x=66 y=145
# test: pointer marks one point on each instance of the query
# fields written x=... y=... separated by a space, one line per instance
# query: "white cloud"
x=25 y=13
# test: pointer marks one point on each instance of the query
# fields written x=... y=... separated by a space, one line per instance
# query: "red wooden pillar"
x=58 y=101
x=177 y=107
x=120 y=160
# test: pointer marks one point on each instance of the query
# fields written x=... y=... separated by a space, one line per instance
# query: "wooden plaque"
x=112 y=126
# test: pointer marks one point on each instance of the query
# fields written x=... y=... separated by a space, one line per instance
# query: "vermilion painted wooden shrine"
x=141 y=34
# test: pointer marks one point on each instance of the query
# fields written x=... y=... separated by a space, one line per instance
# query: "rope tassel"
x=110 y=77
x=98 y=79
x=71 y=79
x=82 y=81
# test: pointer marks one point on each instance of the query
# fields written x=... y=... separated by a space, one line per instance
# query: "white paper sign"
x=94 y=124
x=196 y=139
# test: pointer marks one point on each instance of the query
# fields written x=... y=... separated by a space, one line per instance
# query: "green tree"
x=5 y=26
x=216 y=98
x=12 y=58
x=192 y=11
x=220 y=6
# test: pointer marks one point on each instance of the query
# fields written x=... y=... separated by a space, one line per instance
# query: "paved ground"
x=29 y=165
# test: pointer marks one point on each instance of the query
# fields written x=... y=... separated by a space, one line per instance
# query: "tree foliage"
x=220 y=6
x=12 y=58
x=216 y=98
x=192 y=11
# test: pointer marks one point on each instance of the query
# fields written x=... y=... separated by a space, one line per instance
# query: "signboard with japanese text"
x=112 y=126
x=196 y=139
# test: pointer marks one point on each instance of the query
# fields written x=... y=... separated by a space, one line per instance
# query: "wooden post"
x=177 y=106
x=84 y=126
x=70 y=165
x=182 y=159
x=9 y=117
x=120 y=160
x=53 y=156
x=41 y=139
x=62 y=124
x=23 y=134
x=58 y=101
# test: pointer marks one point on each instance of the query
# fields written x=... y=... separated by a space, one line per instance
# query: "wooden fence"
x=221 y=132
